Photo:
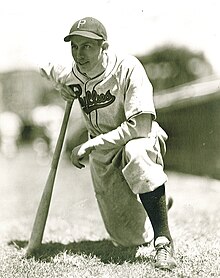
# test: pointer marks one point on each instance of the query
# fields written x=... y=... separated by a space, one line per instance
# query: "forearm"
x=137 y=127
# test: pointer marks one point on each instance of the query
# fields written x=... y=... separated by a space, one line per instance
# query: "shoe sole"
x=165 y=267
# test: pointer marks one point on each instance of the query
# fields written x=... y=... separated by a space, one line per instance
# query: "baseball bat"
x=43 y=207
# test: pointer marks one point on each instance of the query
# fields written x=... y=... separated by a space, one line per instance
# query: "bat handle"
x=60 y=140
x=43 y=208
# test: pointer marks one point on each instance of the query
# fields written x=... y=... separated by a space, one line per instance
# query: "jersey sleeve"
x=138 y=90
x=138 y=126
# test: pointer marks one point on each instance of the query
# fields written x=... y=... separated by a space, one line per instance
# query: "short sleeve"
x=139 y=91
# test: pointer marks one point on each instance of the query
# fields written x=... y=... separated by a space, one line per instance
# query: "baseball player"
x=125 y=146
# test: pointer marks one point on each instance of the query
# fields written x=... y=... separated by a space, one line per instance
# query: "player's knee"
x=134 y=147
x=141 y=148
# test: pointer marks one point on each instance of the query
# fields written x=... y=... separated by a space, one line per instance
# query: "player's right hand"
x=58 y=82
x=67 y=94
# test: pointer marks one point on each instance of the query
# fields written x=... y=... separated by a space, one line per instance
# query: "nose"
x=79 y=53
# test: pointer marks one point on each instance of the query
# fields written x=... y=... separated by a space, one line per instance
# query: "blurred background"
x=176 y=41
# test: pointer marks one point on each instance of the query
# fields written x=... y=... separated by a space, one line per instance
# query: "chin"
x=84 y=69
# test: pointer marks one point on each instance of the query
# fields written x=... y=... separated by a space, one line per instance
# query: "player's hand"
x=58 y=81
x=67 y=94
x=79 y=153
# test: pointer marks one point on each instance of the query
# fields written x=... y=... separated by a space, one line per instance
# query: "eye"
x=87 y=46
x=73 y=46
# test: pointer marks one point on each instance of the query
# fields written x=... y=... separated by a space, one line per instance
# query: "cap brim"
x=83 y=34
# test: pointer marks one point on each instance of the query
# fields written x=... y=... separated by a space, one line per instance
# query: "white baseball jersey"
x=113 y=97
x=109 y=102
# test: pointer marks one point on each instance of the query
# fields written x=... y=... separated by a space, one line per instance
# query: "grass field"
x=75 y=242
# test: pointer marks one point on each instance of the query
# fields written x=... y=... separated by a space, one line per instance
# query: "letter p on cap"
x=81 y=22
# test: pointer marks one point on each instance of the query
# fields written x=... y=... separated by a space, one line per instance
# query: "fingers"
x=65 y=97
x=68 y=91
x=66 y=94
x=55 y=75
x=58 y=83
x=52 y=74
x=78 y=165
x=43 y=73
x=75 y=158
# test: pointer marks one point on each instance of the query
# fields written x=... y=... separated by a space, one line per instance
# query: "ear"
x=105 y=45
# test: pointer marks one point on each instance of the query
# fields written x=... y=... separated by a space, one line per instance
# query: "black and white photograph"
x=109 y=139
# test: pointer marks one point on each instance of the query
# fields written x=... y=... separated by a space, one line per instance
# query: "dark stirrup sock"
x=155 y=205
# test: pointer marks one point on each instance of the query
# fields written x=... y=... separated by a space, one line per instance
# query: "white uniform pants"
x=118 y=176
x=144 y=165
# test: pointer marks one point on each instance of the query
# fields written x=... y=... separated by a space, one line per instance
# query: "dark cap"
x=88 y=27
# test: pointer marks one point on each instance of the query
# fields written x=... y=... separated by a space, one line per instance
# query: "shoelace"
x=162 y=252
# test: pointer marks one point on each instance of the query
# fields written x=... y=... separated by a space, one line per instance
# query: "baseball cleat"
x=164 y=254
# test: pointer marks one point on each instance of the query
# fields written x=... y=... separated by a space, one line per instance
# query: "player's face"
x=87 y=53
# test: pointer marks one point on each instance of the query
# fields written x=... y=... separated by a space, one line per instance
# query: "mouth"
x=82 y=63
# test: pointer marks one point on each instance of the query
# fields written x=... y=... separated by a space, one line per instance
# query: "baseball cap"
x=88 y=27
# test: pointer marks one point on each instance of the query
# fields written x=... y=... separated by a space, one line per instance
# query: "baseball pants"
x=118 y=177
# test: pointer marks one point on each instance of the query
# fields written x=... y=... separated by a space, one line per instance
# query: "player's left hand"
x=79 y=153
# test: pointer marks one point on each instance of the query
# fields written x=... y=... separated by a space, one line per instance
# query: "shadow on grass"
x=103 y=249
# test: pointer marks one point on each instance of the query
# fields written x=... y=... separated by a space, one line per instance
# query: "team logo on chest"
x=92 y=100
